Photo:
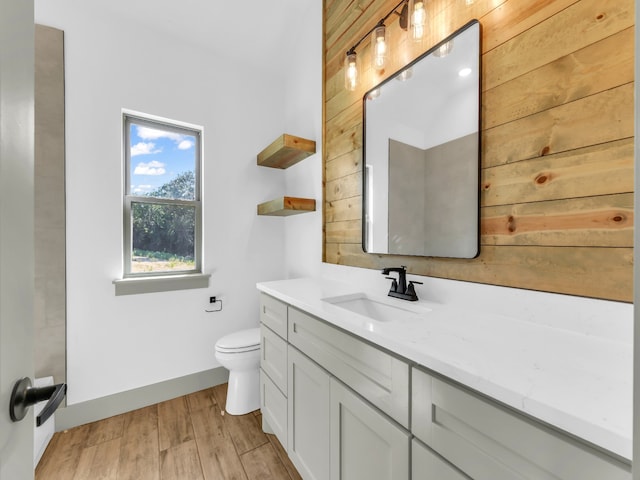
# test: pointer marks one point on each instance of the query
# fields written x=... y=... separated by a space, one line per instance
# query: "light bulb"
x=379 y=48
x=469 y=2
x=351 y=71
x=418 y=20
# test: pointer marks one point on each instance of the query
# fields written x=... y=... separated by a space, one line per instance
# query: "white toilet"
x=239 y=352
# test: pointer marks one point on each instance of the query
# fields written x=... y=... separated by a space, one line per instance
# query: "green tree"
x=167 y=228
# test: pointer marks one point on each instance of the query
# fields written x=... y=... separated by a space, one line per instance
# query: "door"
x=308 y=416
x=365 y=444
x=16 y=229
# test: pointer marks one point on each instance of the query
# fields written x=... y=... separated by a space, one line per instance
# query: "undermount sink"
x=381 y=309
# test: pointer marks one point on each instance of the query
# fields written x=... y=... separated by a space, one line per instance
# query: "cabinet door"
x=365 y=444
x=273 y=404
x=426 y=465
x=308 y=416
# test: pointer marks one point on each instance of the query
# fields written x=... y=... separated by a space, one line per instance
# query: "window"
x=162 y=208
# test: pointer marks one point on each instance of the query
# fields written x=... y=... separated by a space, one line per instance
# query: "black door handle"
x=24 y=396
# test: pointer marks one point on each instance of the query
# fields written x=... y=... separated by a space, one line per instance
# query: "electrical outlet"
x=212 y=299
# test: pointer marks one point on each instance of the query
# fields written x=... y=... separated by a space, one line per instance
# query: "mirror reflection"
x=421 y=154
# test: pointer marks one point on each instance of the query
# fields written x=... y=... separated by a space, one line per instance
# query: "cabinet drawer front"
x=273 y=405
x=488 y=441
x=426 y=465
x=274 y=357
x=379 y=377
x=365 y=445
x=273 y=313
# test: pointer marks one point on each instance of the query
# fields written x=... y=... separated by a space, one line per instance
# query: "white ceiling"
x=258 y=31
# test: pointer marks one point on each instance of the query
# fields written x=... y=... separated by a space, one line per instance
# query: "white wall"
x=303 y=117
x=119 y=343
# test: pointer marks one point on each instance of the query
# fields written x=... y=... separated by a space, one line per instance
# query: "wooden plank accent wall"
x=557 y=141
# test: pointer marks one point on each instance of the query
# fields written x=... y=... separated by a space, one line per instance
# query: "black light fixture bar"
x=404 y=20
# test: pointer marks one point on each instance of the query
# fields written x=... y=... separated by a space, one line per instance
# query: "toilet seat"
x=239 y=342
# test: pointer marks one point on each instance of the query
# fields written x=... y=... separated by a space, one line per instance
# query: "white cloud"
x=152 y=168
x=147 y=133
x=141 y=189
x=185 y=144
x=144 y=148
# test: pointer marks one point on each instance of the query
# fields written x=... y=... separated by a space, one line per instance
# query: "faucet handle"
x=411 y=282
x=394 y=283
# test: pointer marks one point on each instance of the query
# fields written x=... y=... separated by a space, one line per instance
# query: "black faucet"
x=399 y=287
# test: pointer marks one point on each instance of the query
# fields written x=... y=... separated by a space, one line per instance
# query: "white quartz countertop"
x=577 y=382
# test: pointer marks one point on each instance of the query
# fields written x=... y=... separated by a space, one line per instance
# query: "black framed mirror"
x=421 y=152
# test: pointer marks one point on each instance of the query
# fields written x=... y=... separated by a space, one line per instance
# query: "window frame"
x=129 y=118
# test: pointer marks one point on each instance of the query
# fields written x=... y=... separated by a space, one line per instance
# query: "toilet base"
x=243 y=392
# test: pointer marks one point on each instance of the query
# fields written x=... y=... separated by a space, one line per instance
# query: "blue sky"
x=158 y=156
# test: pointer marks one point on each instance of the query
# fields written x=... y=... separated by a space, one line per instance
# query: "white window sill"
x=166 y=283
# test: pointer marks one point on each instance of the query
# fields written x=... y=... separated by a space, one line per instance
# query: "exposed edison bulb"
x=379 y=48
x=418 y=19
x=351 y=71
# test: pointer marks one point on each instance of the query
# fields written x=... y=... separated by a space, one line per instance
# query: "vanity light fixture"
x=379 y=47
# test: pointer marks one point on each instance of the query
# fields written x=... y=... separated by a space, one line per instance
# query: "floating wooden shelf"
x=285 y=206
x=285 y=151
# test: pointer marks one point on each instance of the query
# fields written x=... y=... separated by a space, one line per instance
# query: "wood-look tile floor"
x=183 y=439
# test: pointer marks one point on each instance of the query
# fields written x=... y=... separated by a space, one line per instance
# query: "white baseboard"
x=105 y=407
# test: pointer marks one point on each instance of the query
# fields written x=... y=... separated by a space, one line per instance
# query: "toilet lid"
x=242 y=341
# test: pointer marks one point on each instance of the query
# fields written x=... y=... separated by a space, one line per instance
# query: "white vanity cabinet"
x=346 y=409
x=490 y=442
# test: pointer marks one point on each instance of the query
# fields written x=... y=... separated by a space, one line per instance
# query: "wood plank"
x=344 y=165
x=597 y=170
x=285 y=206
x=62 y=456
x=174 y=423
x=99 y=462
x=571 y=29
x=600 y=118
x=515 y=17
x=139 y=452
x=340 y=210
x=570 y=270
x=262 y=464
x=345 y=187
x=603 y=221
x=105 y=430
x=243 y=429
x=181 y=462
x=219 y=459
x=201 y=400
x=349 y=231
x=209 y=422
x=284 y=458
x=285 y=151
x=598 y=67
